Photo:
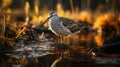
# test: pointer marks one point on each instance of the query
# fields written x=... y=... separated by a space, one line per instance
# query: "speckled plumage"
x=63 y=26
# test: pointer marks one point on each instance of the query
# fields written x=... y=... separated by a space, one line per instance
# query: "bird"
x=62 y=26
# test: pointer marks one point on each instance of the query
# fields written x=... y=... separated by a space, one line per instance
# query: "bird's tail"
x=85 y=26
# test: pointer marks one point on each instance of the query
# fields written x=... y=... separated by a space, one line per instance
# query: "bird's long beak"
x=42 y=23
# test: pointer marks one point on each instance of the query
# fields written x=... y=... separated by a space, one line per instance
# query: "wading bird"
x=62 y=26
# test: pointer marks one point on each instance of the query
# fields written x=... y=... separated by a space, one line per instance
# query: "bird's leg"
x=61 y=39
x=69 y=39
x=68 y=42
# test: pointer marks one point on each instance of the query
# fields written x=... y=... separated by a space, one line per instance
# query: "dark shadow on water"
x=46 y=61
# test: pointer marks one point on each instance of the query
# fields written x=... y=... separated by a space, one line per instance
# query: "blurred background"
x=15 y=14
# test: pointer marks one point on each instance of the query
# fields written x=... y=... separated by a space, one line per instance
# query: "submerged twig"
x=20 y=32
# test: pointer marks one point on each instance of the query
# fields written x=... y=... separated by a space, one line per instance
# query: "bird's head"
x=52 y=14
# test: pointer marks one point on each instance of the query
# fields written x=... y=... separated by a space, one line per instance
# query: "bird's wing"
x=71 y=25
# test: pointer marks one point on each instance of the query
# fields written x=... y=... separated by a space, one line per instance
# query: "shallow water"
x=44 y=55
x=47 y=61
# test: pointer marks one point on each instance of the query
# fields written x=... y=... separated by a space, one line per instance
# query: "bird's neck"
x=54 y=18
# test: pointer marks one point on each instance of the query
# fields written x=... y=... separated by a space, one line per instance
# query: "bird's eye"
x=51 y=15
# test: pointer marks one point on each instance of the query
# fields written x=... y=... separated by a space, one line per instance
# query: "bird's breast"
x=56 y=28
